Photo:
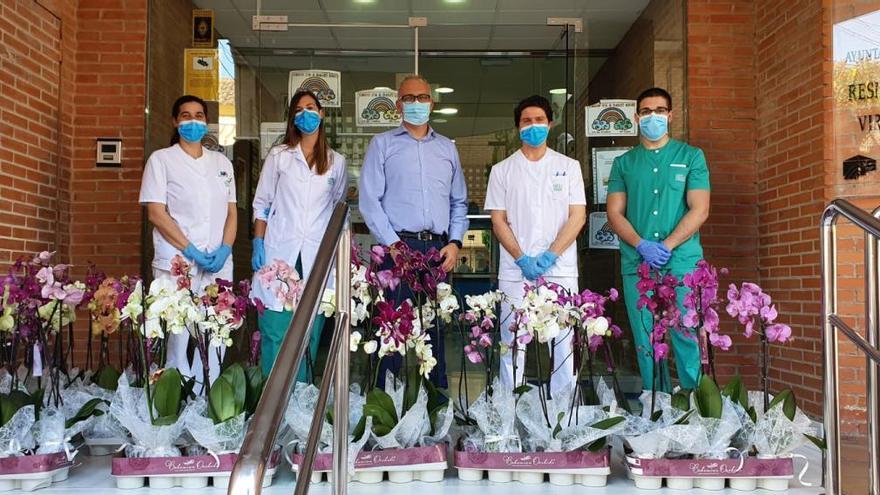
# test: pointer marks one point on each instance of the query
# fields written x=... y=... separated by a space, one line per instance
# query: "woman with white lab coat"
x=301 y=182
x=189 y=193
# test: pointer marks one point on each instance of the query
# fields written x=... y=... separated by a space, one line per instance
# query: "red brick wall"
x=721 y=121
x=30 y=130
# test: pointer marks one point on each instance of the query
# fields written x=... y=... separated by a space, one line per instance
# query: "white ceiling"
x=468 y=25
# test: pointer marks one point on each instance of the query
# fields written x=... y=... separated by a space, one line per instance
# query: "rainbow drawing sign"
x=610 y=118
x=324 y=83
x=376 y=108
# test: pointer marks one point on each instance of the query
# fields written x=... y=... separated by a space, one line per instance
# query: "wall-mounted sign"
x=610 y=118
x=203 y=28
x=201 y=73
x=324 y=83
x=603 y=159
x=271 y=134
x=376 y=108
x=601 y=235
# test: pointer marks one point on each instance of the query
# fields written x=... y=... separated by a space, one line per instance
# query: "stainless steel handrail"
x=259 y=442
x=831 y=322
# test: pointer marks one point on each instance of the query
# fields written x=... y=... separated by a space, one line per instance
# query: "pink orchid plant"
x=284 y=280
x=754 y=309
x=701 y=303
x=657 y=294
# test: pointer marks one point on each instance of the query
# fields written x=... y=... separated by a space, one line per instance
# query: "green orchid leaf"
x=433 y=413
x=88 y=410
x=359 y=428
x=681 y=400
x=255 y=384
x=236 y=378
x=108 y=378
x=381 y=430
x=166 y=420
x=818 y=442
x=168 y=394
x=656 y=416
x=789 y=404
x=381 y=399
x=380 y=416
x=608 y=423
x=598 y=445
x=708 y=398
x=558 y=429
x=329 y=416
x=522 y=389
x=411 y=389
x=221 y=401
x=684 y=417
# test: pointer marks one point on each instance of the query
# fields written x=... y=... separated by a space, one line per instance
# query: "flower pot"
x=745 y=474
x=425 y=464
x=563 y=468
x=190 y=472
x=32 y=472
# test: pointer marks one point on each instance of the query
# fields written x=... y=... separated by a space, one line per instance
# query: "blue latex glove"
x=258 y=256
x=655 y=254
x=201 y=258
x=547 y=260
x=218 y=258
x=529 y=267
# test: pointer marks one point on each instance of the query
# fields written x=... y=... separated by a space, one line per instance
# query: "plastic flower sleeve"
x=299 y=414
x=15 y=435
x=223 y=438
x=776 y=435
x=49 y=431
x=745 y=437
x=717 y=432
x=495 y=419
x=580 y=433
x=444 y=423
x=104 y=427
x=412 y=425
x=129 y=407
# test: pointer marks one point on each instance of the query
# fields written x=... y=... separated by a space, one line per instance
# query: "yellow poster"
x=201 y=73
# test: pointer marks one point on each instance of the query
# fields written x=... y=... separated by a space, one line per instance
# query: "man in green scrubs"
x=658 y=197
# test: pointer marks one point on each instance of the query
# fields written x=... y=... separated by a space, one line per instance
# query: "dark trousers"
x=393 y=362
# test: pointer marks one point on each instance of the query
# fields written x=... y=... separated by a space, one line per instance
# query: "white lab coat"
x=296 y=204
x=196 y=193
x=536 y=197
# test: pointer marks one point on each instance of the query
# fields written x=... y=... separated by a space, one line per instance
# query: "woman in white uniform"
x=189 y=193
x=301 y=182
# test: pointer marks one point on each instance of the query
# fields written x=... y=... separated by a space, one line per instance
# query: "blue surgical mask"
x=192 y=130
x=654 y=126
x=416 y=113
x=307 y=121
x=534 y=135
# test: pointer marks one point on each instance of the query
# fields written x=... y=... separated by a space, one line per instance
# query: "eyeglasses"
x=423 y=98
x=644 y=112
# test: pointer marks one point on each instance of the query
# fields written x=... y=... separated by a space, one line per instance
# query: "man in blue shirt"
x=412 y=190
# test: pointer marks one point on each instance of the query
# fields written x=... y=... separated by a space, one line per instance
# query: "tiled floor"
x=92 y=477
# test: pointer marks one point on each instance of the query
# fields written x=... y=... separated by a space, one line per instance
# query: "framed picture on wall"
x=603 y=159
x=601 y=235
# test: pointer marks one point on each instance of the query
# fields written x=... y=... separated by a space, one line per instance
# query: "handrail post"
x=339 y=480
x=829 y=307
x=872 y=329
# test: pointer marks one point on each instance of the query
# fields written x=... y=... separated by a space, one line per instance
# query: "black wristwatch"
x=456 y=242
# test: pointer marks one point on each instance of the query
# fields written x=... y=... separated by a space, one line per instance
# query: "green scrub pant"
x=686 y=350
x=273 y=327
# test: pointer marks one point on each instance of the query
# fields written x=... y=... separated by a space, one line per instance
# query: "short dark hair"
x=649 y=93
x=175 y=111
x=533 y=101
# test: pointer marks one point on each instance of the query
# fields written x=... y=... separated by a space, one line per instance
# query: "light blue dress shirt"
x=412 y=185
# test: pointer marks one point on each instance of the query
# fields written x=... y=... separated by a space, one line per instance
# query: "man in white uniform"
x=538 y=205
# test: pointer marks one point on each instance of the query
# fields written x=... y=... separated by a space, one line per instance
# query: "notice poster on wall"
x=324 y=83
x=376 y=108
x=603 y=159
x=601 y=235
x=201 y=73
x=271 y=134
x=610 y=118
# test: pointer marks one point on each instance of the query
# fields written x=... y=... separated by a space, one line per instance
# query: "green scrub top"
x=656 y=183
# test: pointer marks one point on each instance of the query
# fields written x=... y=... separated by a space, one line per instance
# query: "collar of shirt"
x=400 y=131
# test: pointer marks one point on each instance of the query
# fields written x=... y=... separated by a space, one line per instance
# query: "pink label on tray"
x=28 y=464
x=729 y=468
x=383 y=458
x=201 y=464
x=533 y=460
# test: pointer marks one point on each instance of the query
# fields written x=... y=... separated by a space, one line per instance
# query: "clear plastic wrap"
x=16 y=435
x=223 y=438
x=495 y=419
x=572 y=425
x=50 y=433
x=412 y=425
x=129 y=407
x=778 y=436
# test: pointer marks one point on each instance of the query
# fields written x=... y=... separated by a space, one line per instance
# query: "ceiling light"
x=439 y=121
x=447 y=111
x=557 y=91
x=364 y=1
x=381 y=88
x=444 y=90
x=454 y=1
